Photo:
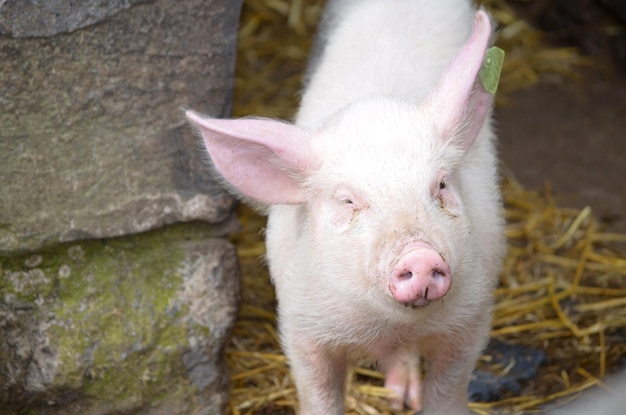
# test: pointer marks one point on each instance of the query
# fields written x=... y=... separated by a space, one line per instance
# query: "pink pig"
x=384 y=236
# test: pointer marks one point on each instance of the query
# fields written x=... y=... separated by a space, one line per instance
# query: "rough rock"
x=100 y=311
x=510 y=366
x=93 y=142
x=33 y=18
x=125 y=325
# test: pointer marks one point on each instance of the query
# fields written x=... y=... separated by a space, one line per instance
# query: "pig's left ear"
x=459 y=102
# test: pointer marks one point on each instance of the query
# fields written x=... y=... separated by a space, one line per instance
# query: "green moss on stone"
x=117 y=324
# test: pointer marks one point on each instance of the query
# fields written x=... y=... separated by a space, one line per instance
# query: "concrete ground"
x=573 y=136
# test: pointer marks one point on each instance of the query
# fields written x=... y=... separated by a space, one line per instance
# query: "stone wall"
x=118 y=285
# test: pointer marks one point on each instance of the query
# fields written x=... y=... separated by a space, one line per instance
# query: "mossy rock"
x=122 y=325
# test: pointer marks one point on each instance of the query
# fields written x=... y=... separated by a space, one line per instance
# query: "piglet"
x=384 y=234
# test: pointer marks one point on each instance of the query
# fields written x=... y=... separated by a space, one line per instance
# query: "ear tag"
x=491 y=69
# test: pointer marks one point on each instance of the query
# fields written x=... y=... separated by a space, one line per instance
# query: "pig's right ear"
x=260 y=158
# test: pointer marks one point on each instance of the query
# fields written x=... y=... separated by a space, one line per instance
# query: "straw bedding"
x=562 y=284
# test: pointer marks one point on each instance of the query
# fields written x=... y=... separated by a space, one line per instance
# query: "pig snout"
x=421 y=276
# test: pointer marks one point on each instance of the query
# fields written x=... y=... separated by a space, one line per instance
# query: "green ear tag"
x=492 y=66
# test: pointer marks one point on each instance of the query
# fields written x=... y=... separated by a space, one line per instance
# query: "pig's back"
x=381 y=47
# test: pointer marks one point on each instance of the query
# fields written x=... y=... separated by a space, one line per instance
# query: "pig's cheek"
x=343 y=217
x=330 y=221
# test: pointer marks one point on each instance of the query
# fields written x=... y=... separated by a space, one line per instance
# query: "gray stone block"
x=34 y=18
x=126 y=325
x=93 y=142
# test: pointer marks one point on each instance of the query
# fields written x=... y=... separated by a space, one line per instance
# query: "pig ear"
x=259 y=158
x=459 y=102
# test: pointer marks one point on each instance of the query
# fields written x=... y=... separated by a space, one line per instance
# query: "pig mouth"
x=417 y=304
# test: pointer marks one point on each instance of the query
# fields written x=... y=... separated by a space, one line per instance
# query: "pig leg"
x=403 y=376
x=449 y=363
x=319 y=375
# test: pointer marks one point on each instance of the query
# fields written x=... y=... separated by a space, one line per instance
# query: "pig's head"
x=379 y=183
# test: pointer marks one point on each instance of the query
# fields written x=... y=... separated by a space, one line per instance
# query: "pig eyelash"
x=442 y=184
x=349 y=203
x=444 y=197
x=345 y=198
x=442 y=188
x=348 y=199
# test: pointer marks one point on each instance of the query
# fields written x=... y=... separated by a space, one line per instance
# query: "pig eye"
x=442 y=185
x=347 y=198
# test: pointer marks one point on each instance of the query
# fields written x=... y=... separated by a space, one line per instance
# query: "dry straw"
x=562 y=285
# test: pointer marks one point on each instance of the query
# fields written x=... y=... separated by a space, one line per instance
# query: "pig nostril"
x=406 y=276
x=438 y=273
